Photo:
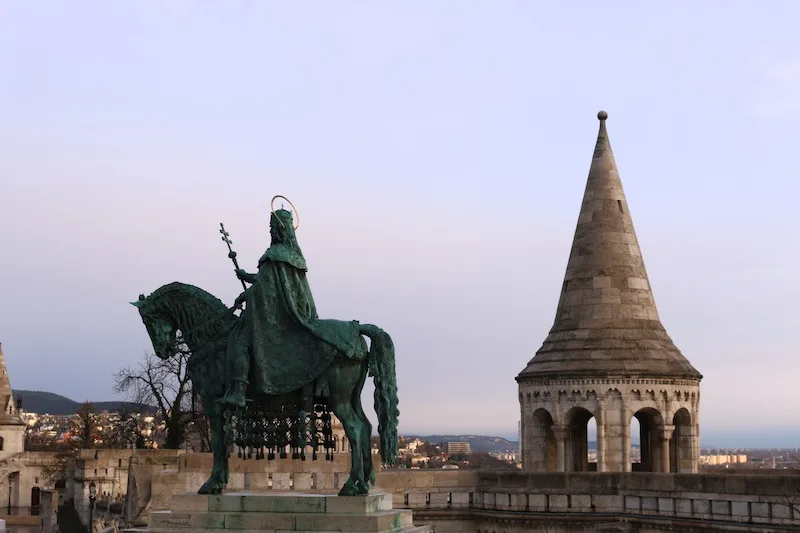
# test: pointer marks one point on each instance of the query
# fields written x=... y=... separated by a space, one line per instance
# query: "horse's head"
x=160 y=326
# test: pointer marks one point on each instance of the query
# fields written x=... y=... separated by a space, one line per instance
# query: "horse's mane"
x=190 y=290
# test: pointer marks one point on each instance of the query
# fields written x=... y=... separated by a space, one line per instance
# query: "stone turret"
x=12 y=427
x=607 y=355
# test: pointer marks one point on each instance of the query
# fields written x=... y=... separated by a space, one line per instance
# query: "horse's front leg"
x=219 y=471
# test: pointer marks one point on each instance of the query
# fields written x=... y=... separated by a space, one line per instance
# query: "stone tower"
x=608 y=356
x=12 y=427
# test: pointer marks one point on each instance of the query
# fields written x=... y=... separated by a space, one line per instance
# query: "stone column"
x=696 y=434
x=690 y=464
x=665 y=436
x=626 y=437
x=48 y=503
x=600 y=421
x=560 y=433
x=522 y=436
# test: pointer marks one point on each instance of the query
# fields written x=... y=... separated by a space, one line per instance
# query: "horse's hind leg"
x=350 y=421
x=343 y=376
x=366 y=444
x=366 y=428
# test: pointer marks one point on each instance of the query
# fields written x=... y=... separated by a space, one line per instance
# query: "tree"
x=82 y=431
x=84 y=426
x=55 y=470
x=790 y=491
x=435 y=462
x=128 y=431
x=431 y=450
x=165 y=385
x=484 y=461
x=198 y=430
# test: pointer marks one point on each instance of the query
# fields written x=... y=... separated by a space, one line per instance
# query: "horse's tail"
x=381 y=367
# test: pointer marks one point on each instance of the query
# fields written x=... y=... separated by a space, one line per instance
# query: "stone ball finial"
x=602 y=115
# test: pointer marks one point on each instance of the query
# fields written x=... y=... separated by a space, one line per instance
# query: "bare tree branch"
x=791 y=495
x=164 y=384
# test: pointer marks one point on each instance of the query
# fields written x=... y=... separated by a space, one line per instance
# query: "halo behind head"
x=294 y=209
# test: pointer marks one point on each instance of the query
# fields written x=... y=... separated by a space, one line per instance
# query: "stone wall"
x=511 y=502
x=27 y=474
x=284 y=475
x=145 y=469
x=108 y=469
x=13 y=440
x=516 y=502
x=153 y=479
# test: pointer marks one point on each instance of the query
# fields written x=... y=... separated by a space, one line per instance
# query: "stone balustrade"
x=717 y=498
x=512 y=502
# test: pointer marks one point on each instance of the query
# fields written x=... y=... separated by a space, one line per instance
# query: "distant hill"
x=477 y=443
x=55 y=404
x=480 y=443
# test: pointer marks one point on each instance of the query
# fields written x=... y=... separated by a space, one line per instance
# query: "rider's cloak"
x=290 y=345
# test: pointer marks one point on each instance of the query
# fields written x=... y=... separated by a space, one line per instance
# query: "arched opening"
x=636 y=448
x=591 y=435
x=681 y=445
x=651 y=425
x=35 y=498
x=2 y=443
x=541 y=452
x=577 y=445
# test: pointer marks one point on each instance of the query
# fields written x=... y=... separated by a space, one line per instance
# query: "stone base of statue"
x=282 y=512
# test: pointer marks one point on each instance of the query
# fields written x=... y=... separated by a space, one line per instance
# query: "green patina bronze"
x=278 y=352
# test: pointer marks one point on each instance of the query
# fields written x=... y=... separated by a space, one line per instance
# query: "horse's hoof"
x=210 y=487
x=349 y=489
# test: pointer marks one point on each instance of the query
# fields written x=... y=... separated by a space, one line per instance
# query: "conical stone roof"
x=607 y=323
x=8 y=410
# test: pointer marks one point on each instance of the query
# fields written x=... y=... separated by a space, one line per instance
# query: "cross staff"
x=231 y=253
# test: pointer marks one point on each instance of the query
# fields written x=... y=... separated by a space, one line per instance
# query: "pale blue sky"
x=437 y=152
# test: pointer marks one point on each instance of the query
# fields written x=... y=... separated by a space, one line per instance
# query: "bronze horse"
x=204 y=323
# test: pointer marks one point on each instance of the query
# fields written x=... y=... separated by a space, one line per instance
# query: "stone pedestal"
x=247 y=512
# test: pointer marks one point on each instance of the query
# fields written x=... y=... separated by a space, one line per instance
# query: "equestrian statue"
x=270 y=377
